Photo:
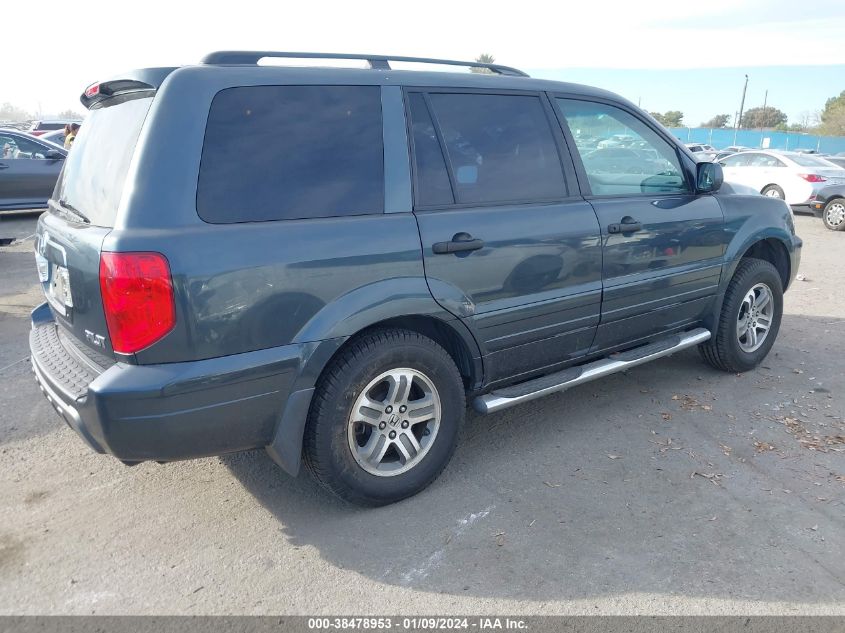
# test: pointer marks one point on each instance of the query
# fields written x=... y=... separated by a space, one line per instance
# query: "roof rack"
x=378 y=62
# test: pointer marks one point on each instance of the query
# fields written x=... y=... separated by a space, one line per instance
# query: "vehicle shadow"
x=25 y=413
x=649 y=481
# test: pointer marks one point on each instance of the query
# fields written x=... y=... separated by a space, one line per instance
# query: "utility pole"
x=765 y=101
x=741 y=108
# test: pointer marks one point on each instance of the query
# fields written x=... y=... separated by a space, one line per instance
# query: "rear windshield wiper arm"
x=69 y=207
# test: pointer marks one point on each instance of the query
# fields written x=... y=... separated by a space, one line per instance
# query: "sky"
x=668 y=54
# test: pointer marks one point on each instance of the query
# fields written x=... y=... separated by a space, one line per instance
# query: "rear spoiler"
x=144 y=80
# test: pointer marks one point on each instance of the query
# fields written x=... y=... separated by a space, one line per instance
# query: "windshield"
x=92 y=179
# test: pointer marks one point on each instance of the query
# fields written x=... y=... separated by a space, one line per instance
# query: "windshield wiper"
x=73 y=210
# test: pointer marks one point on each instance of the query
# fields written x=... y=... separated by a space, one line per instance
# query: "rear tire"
x=740 y=342
x=385 y=417
x=833 y=214
x=773 y=191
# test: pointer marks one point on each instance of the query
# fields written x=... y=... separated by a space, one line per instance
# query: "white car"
x=617 y=140
x=790 y=176
x=700 y=147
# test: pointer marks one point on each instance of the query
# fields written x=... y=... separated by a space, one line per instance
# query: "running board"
x=563 y=380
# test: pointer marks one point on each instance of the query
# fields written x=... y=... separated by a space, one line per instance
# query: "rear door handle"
x=460 y=243
x=627 y=225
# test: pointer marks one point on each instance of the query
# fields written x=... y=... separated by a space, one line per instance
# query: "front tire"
x=385 y=417
x=750 y=318
x=833 y=214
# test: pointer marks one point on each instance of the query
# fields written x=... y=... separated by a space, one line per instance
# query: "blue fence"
x=724 y=137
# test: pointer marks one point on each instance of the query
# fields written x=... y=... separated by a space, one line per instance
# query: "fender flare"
x=335 y=324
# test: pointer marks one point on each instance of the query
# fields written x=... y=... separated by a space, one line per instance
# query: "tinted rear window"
x=94 y=173
x=500 y=147
x=286 y=152
x=50 y=126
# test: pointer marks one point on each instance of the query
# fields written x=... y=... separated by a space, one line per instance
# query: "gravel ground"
x=671 y=489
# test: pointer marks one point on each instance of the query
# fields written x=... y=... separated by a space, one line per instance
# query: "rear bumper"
x=171 y=411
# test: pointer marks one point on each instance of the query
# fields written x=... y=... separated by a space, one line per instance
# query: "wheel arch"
x=450 y=333
x=774 y=251
x=770 y=246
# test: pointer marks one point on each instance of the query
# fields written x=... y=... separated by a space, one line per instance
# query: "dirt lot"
x=670 y=489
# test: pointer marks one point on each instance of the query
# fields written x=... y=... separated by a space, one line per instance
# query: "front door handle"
x=4 y=166
x=627 y=225
x=460 y=243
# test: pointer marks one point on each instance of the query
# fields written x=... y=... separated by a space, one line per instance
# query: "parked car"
x=37 y=128
x=621 y=160
x=55 y=136
x=789 y=176
x=702 y=151
x=29 y=168
x=700 y=147
x=829 y=204
x=337 y=260
x=617 y=140
x=730 y=150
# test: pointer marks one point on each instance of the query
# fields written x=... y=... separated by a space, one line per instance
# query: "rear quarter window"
x=289 y=152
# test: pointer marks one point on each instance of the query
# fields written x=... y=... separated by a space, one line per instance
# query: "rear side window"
x=287 y=152
x=737 y=160
x=50 y=126
x=500 y=148
x=14 y=146
x=764 y=160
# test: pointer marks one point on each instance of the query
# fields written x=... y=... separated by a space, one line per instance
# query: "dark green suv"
x=329 y=262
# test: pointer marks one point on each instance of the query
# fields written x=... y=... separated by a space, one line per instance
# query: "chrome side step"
x=563 y=380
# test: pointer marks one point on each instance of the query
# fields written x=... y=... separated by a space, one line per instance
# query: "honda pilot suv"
x=329 y=263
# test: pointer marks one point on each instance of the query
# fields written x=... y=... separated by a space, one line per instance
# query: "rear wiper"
x=69 y=207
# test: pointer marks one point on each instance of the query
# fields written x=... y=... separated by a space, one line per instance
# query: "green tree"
x=484 y=58
x=672 y=118
x=718 y=121
x=9 y=112
x=833 y=116
x=69 y=114
x=762 y=117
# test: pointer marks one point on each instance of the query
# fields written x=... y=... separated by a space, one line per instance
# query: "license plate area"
x=58 y=289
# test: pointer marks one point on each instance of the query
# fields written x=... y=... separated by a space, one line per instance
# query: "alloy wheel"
x=754 y=320
x=394 y=422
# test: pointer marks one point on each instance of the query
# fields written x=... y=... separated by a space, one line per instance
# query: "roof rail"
x=379 y=62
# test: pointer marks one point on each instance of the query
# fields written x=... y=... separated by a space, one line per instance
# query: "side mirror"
x=53 y=154
x=708 y=177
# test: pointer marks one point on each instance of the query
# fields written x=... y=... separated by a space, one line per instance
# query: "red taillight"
x=812 y=177
x=137 y=298
x=92 y=91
